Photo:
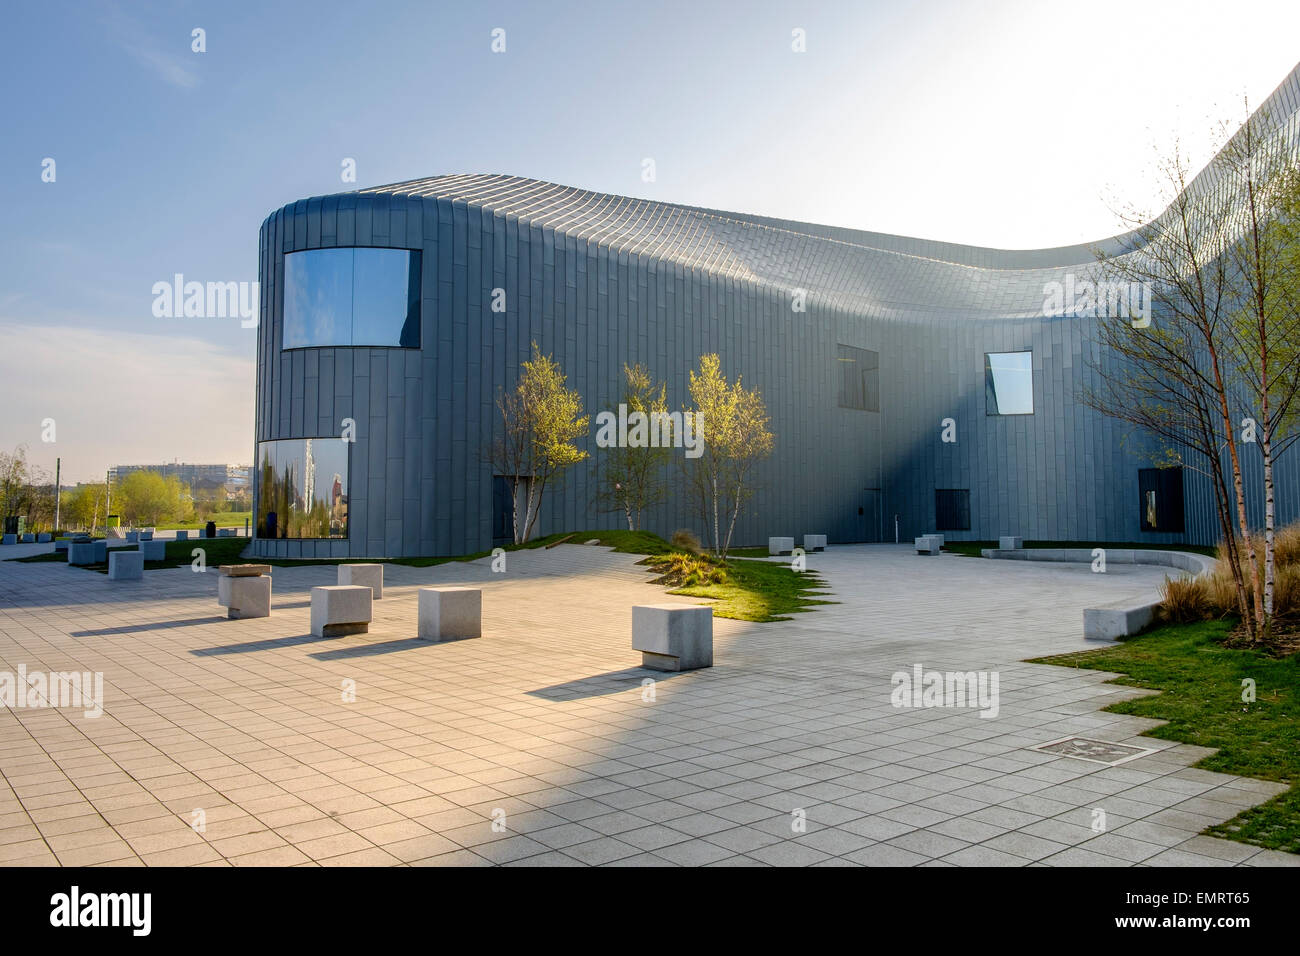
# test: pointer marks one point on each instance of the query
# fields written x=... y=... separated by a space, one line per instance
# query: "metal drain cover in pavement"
x=1096 y=751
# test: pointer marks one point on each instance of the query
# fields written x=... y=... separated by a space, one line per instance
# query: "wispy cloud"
x=168 y=60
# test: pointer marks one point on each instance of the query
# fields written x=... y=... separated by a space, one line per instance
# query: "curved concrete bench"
x=1109 y=622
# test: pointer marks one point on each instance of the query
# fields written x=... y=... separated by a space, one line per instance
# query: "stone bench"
x=154 y=550
x=1109 y=622
x=29 y=539
x=1010 y=542
x=929 y=544
x=81 y=553
x=44 y=538
x=182 y=535
x=125 y=565
x=244 y=589
x=101 y=551
x=814 y=542
x=61 y=544
x=780 y=545
x=146 y=535
x=132 y=537
x=366 y=575
x=449 y=612
x=341 y=609
x=673 y=637
x=10 y=539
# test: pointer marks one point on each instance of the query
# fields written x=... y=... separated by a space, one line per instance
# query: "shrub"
x=688 y=570
x=686 y=540
x=1184 y=599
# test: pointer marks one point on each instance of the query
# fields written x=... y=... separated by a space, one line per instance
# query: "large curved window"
x=302 y=488
x=353 y=296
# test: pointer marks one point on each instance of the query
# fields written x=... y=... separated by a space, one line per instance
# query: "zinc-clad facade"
x=598 y=281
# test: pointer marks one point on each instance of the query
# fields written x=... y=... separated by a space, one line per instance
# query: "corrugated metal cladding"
x=598 y=281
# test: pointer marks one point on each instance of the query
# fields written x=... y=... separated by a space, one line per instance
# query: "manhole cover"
x=1096 y=751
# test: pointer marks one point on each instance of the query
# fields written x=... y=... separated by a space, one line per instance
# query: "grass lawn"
x=224 y=519
x=1201 y=682
x=753 y=590
x=973 y=548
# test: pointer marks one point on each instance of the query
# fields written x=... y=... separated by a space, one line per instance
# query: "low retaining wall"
x=1109 y=622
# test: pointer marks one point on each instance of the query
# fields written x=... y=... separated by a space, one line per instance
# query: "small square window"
x=952 y=509
x=1009 y=383
x=1161 y=499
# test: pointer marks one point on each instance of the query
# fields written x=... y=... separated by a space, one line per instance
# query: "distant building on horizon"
x=232 y=478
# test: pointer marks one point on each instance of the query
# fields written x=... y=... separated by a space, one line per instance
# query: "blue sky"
x=1017 y=124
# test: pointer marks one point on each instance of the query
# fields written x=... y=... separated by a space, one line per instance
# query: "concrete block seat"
x=29 y=539
x=153 y=550
x=125 y=565
x=61 y=544
x=366 y=575
x=44 y=538
x=132 y=537
x=673 y=637
x=81 y=553
x=244 y=590
x=929 y=544
x=101 y=551
x=780 y=545
x=182 y=535
x=10 y=539
x=341 y=609
x=445 y=613
x=1010 y=542
x=814 y=542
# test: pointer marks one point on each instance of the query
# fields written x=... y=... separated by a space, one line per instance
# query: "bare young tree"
x=1170 y=375
x=633 y=478
x=1263 y=184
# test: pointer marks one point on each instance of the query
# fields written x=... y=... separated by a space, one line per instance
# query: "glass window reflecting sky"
x=1009 y=383
x=354 y=296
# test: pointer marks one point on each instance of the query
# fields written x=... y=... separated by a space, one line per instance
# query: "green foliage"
x=733 y=424
x=633 y=477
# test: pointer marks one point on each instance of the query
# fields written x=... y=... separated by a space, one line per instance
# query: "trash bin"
x=210 y=529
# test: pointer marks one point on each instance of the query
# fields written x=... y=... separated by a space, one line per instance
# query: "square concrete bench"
x=182 y=535
x=61 y=544
x=29 y=539
x=1010 y=542
x=929 y=544
x=10 y=539
x=447 y=612
x=780 y=545
x=146 y=535
x=81 y=553
x=153 y=550
x=125 y=565
x=814 y=542
x=101 y=552
x=244 y=590
x=341 y=609
x=366 y=575
x=44 y=538
x=132 y=537
x=671 y=637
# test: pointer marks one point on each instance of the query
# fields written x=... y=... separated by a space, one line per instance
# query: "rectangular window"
x=353 y=296
x=302 y=488
x=1009 y=383
x=1161 y=499
x=952 y=509
x=859 y=378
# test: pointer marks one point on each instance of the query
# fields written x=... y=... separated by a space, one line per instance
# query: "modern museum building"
x=912 y=385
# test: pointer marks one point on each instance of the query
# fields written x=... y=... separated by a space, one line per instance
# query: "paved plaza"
x=254 y=743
